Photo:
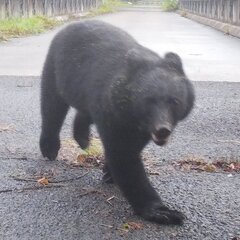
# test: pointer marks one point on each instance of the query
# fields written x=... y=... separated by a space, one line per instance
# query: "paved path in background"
x=77 y=208
x=208 y=55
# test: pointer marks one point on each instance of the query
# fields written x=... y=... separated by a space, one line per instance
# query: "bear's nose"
x=163 y=132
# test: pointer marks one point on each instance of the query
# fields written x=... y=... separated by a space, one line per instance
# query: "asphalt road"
x=74 y=205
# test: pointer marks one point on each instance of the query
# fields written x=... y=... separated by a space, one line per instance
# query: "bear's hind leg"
x=81 y=129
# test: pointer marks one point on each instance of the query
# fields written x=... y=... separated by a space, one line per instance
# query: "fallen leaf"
x=81 y=158
x=44 y=181
x=209 y=168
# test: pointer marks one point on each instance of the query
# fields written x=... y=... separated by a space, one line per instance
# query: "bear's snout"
x=161 y=135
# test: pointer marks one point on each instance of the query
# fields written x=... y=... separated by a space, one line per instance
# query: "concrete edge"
x=221 y=26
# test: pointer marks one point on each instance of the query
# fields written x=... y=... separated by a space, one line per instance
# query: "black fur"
x=128 y=91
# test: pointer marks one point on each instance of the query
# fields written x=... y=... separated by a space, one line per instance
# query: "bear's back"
x=94 y=35
x=87 y=56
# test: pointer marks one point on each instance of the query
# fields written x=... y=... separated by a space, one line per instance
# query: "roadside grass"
x=16 y=27
x=169 y=5
x=108 y=6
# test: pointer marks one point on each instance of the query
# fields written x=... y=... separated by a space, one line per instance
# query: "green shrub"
x=15 y=27
x=169 y=5
x=108 y=6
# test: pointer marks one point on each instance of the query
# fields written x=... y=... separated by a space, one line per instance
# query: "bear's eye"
x=174 y=101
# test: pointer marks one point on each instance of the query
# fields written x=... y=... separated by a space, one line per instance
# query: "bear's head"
x=159 y=91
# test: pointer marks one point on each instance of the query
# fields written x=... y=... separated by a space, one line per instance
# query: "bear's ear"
x=135 y=60
x=173 y=61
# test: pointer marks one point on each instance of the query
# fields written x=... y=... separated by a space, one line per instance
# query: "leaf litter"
x=130 y=227
x=202 y=165
x=88 y=158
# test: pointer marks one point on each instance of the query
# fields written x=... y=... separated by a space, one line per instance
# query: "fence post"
x=222 y=10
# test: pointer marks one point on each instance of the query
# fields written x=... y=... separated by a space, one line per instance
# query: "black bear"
x=129 y=92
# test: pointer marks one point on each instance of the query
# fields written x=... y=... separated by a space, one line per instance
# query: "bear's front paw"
x=49 y=147
x=156 y=212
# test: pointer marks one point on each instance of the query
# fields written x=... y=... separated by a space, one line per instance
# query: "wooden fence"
x=223 y=10
x=27 y=8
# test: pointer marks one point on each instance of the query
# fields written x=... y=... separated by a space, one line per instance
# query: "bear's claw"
x=162 y=215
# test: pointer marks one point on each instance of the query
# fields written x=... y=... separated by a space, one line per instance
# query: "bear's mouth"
x=159 y=141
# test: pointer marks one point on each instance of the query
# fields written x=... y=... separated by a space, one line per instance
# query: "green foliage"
x=15 y=27
x=108 y=6
x=169 y=5
x=95 y=149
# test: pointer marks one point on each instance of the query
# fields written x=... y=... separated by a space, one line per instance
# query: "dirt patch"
x=72 y=154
